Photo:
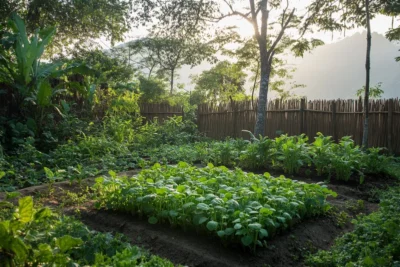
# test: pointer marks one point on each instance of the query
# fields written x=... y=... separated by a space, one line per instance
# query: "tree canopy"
x=78 y=22
x=223 y=83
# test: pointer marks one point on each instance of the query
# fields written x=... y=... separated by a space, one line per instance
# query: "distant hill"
x=337 y=70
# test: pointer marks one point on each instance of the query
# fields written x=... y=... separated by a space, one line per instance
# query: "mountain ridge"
x=337 y=70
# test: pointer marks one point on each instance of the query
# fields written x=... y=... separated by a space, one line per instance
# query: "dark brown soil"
x=194 y=249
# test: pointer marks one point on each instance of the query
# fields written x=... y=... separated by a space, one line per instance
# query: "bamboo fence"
x=161 y=111
x=336 y=118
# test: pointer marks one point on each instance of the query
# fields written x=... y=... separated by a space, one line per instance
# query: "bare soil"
x=197 y=249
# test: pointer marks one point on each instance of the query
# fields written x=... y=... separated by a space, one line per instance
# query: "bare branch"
x=233 y=13
x=284 y=12
x=254 y=19
x=280 y=35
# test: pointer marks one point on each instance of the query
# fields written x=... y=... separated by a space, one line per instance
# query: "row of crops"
x=289 y=154
x=234 y=205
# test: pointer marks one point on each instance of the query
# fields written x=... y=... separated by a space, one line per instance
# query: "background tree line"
x=180 y=32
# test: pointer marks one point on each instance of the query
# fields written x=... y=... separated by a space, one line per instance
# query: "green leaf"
x=113 y=174
x=173 y=213
x=153 y=220
x=281 y=219
x=68 y=242
x=229 y=231
x=187 y=205
x=25 y=209
x=199 y=219
x=255 y=226
x=265 y=211
x=263 y=233
x=368 y=261
x=202 y=206
x=19 y=248
x=247 y=240
x=221 y=233
x=237 y=226
x=4 y=235
x=43 y=213
x=2 y=174
x=45 y=252
x=49 y=173
x=181 y=188
x=44 y=93
x=287 y=216
x=212 y=225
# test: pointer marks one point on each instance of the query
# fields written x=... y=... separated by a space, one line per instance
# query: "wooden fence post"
x=234 y=117
x=390 y=125
x=302 y=116
x=334 y=123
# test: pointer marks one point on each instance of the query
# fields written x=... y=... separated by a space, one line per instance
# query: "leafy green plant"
x=30 y=237
x=291 y=153
x=226 y=153
x=28 y=81
x=375 y=162
x=346 y=159
x=21 y=242
x=258 y=154
x=321 y=153
x=233 y=205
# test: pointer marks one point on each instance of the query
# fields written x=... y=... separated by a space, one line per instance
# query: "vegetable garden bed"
x=287 y=248
x=234 y=205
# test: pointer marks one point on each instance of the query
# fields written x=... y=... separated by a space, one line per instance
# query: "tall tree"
x=248 y=57
x=270 y=32
x=169 y=54
x=271 y=39
x=368 y=73
x=342 y=15
x=113 y=68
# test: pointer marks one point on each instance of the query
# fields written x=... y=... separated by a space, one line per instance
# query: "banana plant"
x=22 y=69
x=28 y=80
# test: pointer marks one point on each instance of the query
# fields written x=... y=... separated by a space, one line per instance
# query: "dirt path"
x=196 y=249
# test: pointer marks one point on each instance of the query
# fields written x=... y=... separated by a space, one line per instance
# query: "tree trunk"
x=262 y=97
x=255 y=84
x=367 y=80
x=265 y=59
x=172 y=82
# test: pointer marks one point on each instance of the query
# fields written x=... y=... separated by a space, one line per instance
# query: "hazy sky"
x=380 y=24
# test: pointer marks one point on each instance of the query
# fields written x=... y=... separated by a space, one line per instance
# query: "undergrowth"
x=375 y=240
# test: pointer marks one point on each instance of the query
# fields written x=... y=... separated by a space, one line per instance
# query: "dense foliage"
x=116 y=144
x=375 y=240
x=78 y=22
x=39 y=237
x=231 y=204
x=222 y=83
